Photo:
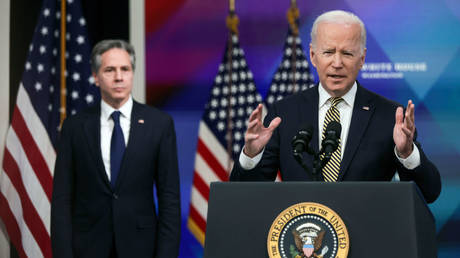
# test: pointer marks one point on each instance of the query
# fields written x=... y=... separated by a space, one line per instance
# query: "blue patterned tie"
x=117 y=148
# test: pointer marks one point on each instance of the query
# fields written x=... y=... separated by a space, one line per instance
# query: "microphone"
x=302 y=139
x=300 y=144
x=331 y=139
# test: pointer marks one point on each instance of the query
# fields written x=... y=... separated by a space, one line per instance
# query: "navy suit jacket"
x=88 y=216
x=369 y=151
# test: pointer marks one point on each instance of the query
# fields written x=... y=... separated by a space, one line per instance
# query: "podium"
x=383 y=219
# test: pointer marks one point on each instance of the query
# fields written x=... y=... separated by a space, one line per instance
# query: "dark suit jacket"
x=369 y=151
x=87 y=216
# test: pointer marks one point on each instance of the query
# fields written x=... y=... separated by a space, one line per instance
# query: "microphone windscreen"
x=306 y=131
x=334 y=127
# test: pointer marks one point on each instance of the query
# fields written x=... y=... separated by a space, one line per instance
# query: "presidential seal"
x=308 y=230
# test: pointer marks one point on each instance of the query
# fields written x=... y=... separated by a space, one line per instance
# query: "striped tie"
x=332 y=168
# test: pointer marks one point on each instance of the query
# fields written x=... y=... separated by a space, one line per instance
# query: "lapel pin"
x=366 y=108
x=140 y=121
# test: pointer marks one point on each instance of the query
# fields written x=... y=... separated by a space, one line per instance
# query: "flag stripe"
x=210 y=140
x=11 y=226
x=212 y=161
x=33 y=153
x=204 y=171
x=29 y=243
x=201 y=186
x=196 y=231
x=30 y=181
x=200 y=203
x=36 y=128
x=199 y=221
x=31 y=217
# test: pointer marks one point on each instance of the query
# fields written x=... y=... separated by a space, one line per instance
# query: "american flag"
x=26 y=178
x=221 y=131
x=293 y=74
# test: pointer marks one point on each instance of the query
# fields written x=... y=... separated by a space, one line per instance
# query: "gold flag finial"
x=293 y=15
x=232 y=6
x=232 y=19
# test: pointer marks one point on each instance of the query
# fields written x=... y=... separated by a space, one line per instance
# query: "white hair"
x=340 y=17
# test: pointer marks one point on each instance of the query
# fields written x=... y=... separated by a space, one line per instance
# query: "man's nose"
x=118 y=75
x=337 y=61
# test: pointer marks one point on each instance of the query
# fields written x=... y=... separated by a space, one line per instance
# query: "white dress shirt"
x=346 y=110
x=107 y=125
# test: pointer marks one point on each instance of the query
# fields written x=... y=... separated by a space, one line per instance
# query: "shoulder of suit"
x=299 y=96
x=151 y=111
x=379 y=99
x=85 y=113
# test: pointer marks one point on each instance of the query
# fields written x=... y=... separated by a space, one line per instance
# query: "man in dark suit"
x=377 y=137
x=109 y=159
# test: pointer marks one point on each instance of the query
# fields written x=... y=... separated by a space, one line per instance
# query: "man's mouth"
x=336 y=76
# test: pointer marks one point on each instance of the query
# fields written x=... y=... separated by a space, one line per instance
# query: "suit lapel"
x=136 y=136
x=311 y=98
x=92 y=128
x=362 y=112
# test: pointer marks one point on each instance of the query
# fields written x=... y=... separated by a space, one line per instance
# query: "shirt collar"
x=125 y=110
x=349 y=97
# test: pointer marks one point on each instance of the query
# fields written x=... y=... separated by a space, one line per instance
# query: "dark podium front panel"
x=384 y=219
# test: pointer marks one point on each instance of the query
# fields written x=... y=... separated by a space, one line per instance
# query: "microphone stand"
x=328 y=146
x=318 y=163
x=320 y=159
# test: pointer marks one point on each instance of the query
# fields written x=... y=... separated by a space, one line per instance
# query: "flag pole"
x=293 y=18
x=63 y=62
x=232 y=25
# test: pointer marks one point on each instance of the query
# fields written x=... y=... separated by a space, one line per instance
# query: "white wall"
x=4 y=100
x=137 y=38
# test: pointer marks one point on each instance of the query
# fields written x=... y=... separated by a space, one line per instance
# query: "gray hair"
x=341 y=17
x=103 y=46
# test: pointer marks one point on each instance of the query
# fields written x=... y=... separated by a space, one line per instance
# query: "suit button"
x=115 y=196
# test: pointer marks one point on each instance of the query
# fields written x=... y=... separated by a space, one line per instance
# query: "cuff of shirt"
x=412 y=161
x=248 y=163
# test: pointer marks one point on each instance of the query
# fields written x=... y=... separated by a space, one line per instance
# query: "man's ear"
x=363 y=57
x=96 y=80
x=312 y=55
